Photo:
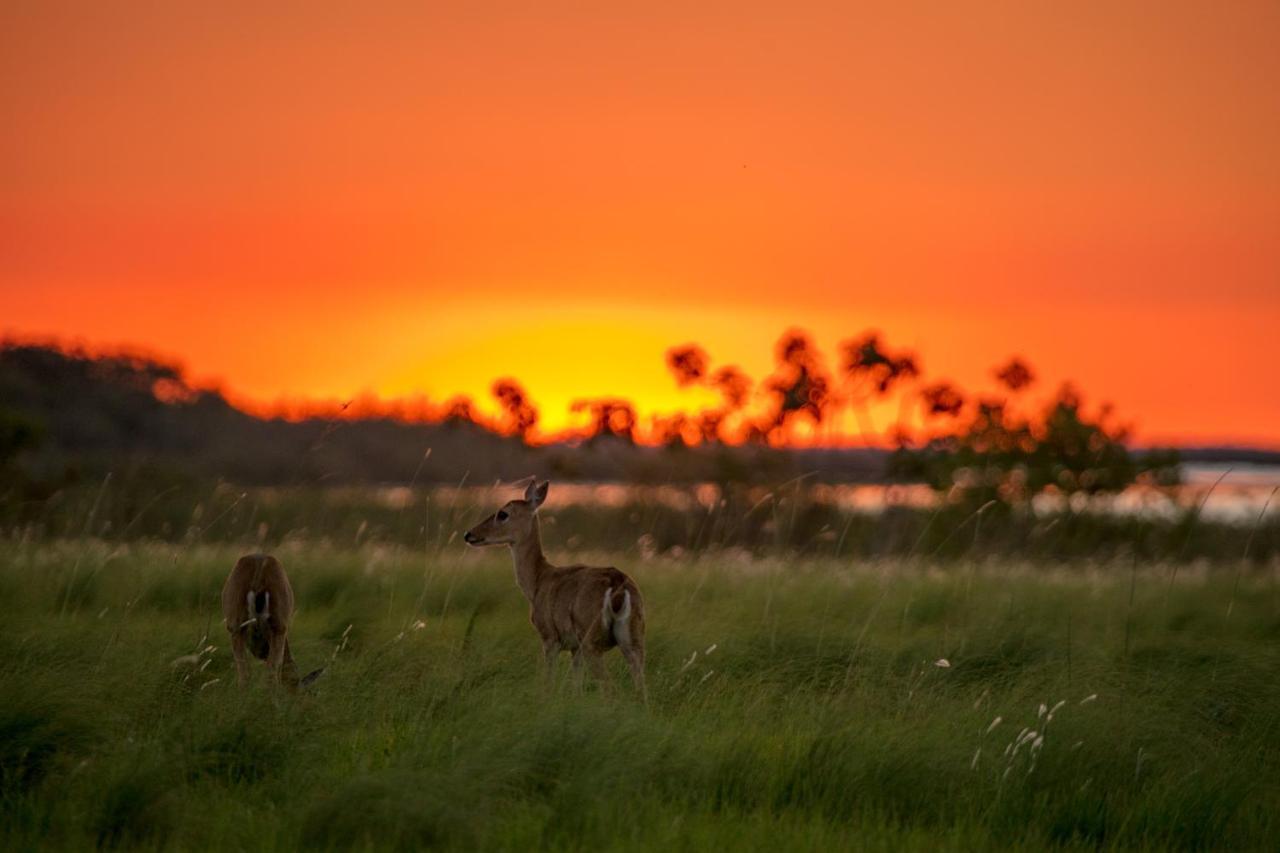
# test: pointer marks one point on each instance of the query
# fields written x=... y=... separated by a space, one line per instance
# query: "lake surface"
x=1235 y=493
x=1238 y=491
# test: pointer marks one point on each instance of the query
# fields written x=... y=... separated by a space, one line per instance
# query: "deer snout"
x=471 y=538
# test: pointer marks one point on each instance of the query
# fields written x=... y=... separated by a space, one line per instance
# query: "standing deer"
x=586 y=610
x=257 y=606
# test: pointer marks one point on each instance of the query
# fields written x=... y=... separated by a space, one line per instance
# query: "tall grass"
x=796 y=518
x=805 y=703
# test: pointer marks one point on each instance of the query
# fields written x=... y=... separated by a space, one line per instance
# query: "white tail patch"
x=256 y=615
x=618 y=623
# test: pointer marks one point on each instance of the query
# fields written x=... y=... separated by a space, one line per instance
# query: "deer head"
x=513 y=523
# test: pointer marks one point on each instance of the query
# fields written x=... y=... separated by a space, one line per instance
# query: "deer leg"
x=634 y=654
x=278 y=645
x=288 y=669
x=550 y=649
x=242 y=663
x=595 y=662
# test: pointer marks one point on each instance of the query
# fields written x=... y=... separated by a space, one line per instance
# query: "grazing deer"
x=586 y=610
x=257 y=607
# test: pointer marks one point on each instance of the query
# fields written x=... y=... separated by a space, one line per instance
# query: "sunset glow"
x=310 y=204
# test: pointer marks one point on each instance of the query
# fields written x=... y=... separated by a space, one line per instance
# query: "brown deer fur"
x=586 y=610
x=257 y=609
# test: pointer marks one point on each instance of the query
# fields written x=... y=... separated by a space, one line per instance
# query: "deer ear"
x=536 y=493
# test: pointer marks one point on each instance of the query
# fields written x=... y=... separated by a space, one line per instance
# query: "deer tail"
x=257 y=600
x=617 y=622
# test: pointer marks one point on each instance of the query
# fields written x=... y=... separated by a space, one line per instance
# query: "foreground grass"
x=795 y=705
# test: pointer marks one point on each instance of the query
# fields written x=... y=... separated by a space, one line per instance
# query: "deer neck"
x=529 y=561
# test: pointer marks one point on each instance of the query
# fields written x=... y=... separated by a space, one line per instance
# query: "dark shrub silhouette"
x=997 y=455
x=611 y=417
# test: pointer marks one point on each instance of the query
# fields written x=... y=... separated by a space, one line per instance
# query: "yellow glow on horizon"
x=558 y=354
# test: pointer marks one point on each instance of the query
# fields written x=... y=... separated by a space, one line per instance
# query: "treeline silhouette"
x=973 y=447
x=123 y=447
x=69 y=414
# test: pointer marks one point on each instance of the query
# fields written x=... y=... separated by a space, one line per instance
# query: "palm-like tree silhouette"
x=800 y=386
x=872 y=372
x=519 y=413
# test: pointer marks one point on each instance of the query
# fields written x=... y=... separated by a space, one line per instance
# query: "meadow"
x=795 y=703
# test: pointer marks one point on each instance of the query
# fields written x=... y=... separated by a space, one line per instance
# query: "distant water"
x=1238 y=474
x=1235 y=493
x=1238 y=491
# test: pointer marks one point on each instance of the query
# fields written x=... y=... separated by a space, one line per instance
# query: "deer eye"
x=502 y=515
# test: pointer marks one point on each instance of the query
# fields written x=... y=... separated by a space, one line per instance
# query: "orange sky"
x=302 y=201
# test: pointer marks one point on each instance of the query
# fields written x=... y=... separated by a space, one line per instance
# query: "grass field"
x=794 y=705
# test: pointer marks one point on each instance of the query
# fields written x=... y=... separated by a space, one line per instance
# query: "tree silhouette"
x=997 y=455
x=800 y=386
x=458 y=409
x=610 y=417
x=1015 y=375
x=734 y=387
x=872 y=373
x=688 y=363
x=941 y=399
x=519 y=414
x=675 y=430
